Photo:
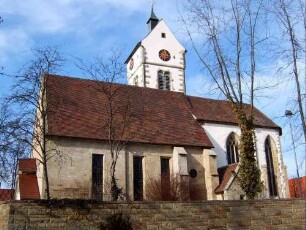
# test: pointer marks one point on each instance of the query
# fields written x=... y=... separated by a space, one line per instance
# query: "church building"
x=158 y=61
x=162 y=134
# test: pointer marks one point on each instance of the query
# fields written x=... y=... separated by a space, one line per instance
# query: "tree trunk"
x=47 y=191
x=115 y=190
x=249 y=173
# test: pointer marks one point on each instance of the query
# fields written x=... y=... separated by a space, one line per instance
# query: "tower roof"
x=153 y=17
x=153 y=20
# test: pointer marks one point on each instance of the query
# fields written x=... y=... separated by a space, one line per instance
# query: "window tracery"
x=164 y=80
x=232 y=149
x=270 y=168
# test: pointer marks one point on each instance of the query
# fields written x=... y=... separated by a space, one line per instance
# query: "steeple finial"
x=152 y=4
x=153 y=20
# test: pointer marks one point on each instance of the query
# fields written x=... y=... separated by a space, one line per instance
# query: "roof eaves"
x=206 y=146
x=232 y=178
x=152 y=30
x=221 y=187
x=132 y=53
x=235 y=123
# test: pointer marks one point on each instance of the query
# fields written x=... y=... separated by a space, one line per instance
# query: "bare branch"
x=29 y=109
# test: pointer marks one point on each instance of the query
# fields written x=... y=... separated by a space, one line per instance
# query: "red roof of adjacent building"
x=295 y=185
x=27 y=165
x=6 y=194
x=27 y=179
x=225 y=174
x=78 y=108
x=28 y=186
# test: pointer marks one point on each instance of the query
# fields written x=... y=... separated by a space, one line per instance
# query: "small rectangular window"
x=138 y=178
x=165 y=178
x=97 y=176
x=163 y=35
x=164 y=167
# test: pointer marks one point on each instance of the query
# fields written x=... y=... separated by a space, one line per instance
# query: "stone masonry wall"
x=70 y=173
x=81 y=214
x=4 y=215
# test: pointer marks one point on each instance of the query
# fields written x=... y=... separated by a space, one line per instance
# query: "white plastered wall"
x=147 y=62
x=136 y=74
x=261 y=136
x=218 y=134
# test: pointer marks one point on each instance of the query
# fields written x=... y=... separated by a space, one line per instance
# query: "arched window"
x=270 y=168
x=232 y=149
x=136 y=80
x=164 y=80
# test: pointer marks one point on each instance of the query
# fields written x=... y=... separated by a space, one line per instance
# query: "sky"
x=85 y=29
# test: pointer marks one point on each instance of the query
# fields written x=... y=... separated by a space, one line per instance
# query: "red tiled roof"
x=28 y=186
x=77 y=108
x=225 y=174
x=27 y=165
x=294 y=187
x=6 y=194
x=218 y=111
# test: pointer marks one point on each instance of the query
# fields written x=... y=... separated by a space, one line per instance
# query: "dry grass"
x=173 y=188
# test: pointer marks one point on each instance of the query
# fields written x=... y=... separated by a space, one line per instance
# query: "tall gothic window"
x=270 y=168
x=232 y=149
x=164 y=80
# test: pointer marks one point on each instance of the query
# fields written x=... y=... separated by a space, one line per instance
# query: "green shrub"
x=117 y=221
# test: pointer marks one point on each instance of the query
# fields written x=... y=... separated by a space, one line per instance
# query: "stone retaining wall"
x=4 y=215
x=81 y=214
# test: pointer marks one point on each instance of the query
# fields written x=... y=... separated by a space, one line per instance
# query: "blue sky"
x=85 y=29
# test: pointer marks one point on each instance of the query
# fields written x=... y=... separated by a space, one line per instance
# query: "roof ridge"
x=226 y=166
x=115 y=83
x=213 y=99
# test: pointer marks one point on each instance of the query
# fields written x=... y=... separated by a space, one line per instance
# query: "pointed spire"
x=153 y=16
x=153 y=20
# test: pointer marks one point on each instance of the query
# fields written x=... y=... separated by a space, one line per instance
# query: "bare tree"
x=292 y=18
x=29 y=109
x=124 y=115
x=11 y=150
x=230 y=36
x=1 y=21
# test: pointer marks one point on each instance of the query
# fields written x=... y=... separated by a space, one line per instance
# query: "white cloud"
x=42 y=16
x=128 y=6
x=60 y=15
x=12 y=43
x=42 y=22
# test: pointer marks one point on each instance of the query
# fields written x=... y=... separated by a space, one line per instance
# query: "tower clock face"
x=131 y=63
x=164 y=55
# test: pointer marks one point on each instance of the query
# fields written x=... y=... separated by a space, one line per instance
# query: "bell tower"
x=157 y=61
